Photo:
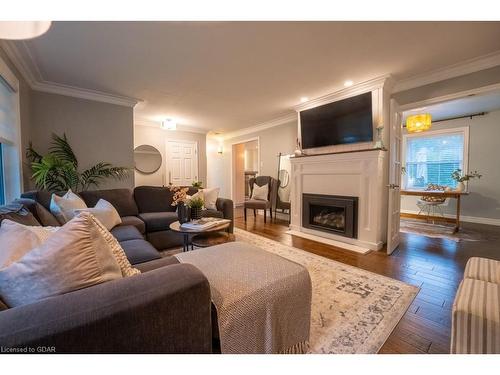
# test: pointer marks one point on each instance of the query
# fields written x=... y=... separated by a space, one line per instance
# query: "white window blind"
x=431 y=158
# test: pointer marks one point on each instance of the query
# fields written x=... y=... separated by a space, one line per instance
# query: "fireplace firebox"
x=331 y=213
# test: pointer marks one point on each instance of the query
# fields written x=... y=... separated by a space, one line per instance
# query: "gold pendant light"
x=418 y=123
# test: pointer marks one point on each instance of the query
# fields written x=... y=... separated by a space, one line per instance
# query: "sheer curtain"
x=10 y=139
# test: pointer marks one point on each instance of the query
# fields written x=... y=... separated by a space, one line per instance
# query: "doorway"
x=431 y=201
x=182 y=162
x=245 y=165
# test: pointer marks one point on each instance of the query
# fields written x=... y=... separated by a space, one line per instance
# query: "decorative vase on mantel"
x=183 y=213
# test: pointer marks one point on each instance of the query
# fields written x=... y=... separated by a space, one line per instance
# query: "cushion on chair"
x=257 y=204
x=134 y=221
x=139 y=251
x=483 y=269
x=126 y=232
x=476 y=318
x=156 y=221
x=121 y=199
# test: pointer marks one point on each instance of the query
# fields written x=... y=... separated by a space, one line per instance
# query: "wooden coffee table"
x=176 y=227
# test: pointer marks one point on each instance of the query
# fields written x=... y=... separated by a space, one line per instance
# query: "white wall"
x=157 y=137
x=484 y=156
x=271 y=141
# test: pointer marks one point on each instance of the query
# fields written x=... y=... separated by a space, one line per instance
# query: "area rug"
x=436 y=230
x=353 y=310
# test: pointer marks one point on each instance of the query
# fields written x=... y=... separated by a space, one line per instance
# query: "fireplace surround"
x=331 y=213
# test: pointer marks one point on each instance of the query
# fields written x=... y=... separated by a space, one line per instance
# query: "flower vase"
x=460 y=187
x=183 y=213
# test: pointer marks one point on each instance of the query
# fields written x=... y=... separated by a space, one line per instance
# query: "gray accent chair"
x=269 y=204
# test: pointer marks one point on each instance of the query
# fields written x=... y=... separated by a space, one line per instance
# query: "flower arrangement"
x=459 y=177
x=180 y=194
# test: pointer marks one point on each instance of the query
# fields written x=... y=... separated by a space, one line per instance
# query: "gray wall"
x=96 y=131
x=484 y=198
x=280 y=138
x=157 y=137
x=449 y=86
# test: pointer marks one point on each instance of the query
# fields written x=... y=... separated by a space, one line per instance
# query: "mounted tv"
x=342 y=122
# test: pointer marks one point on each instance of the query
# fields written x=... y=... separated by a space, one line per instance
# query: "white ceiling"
x=460 y=107
x=230 y=75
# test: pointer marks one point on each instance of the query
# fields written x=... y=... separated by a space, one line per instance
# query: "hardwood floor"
x=434 y=265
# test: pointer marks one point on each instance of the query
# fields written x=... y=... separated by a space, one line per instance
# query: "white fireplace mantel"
x=358 y=174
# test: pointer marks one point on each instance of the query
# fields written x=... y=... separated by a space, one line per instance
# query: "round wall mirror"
x=147 y=159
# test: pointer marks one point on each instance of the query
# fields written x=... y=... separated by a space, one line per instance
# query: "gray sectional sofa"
x=165 y=309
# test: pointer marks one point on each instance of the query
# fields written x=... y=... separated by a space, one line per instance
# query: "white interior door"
x=394 y=178
x=182 y=166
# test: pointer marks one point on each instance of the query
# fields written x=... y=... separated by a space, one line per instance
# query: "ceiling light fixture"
x=16 y=30
x=304 y=99
x=418 y=123
x=348 y=83
x=168 y=124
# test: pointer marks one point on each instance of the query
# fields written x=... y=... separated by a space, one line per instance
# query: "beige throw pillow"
x=105 y=212
x=120 y=256
x=210 y=198
x=260 y=192
x=75 y=257
x=15 y=241
x=63 y=208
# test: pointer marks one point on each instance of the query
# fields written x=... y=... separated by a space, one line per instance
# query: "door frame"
x=432 y=101
x=167 y=157
x=231 y=163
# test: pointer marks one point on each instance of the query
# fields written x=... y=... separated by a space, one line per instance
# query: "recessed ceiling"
x=225 y=76
x=460 y=107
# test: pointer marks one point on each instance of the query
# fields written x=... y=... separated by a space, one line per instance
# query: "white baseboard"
x=468 y=219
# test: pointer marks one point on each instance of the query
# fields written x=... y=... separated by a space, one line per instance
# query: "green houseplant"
x=460 y=178
x=58 y=169
x=196 y=205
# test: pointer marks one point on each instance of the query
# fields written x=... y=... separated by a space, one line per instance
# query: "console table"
x=441 y=194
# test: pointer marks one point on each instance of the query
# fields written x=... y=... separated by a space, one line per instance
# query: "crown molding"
x=473 y=65
x=261 y=126
x=156 y=124
x=385 y=81
x=23 y=60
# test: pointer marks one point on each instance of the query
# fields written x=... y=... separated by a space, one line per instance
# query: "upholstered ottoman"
x=483 y=269
x=263 y=301
x=476 y=318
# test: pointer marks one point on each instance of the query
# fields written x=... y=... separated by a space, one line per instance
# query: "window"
x=431 y=157
x=2 y=190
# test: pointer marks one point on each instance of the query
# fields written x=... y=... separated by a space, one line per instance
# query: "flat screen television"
x=345 y=121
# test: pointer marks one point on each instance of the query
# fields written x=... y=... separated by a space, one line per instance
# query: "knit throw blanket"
x=263 y=301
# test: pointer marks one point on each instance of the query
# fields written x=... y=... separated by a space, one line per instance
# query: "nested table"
x=186 y=232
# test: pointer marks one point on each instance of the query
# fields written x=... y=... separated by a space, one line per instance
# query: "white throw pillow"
x=260 y=192
x=15 y=241
x=63 y=207
x=120 y=256
x=105 y=212
x=210 y=198
x=76 y=256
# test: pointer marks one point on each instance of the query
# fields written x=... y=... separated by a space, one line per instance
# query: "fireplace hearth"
x=330 y=213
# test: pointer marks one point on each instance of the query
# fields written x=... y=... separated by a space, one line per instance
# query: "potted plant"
x=197 y=184
x=461 y=178
x=58 y=169
x=196 y=205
